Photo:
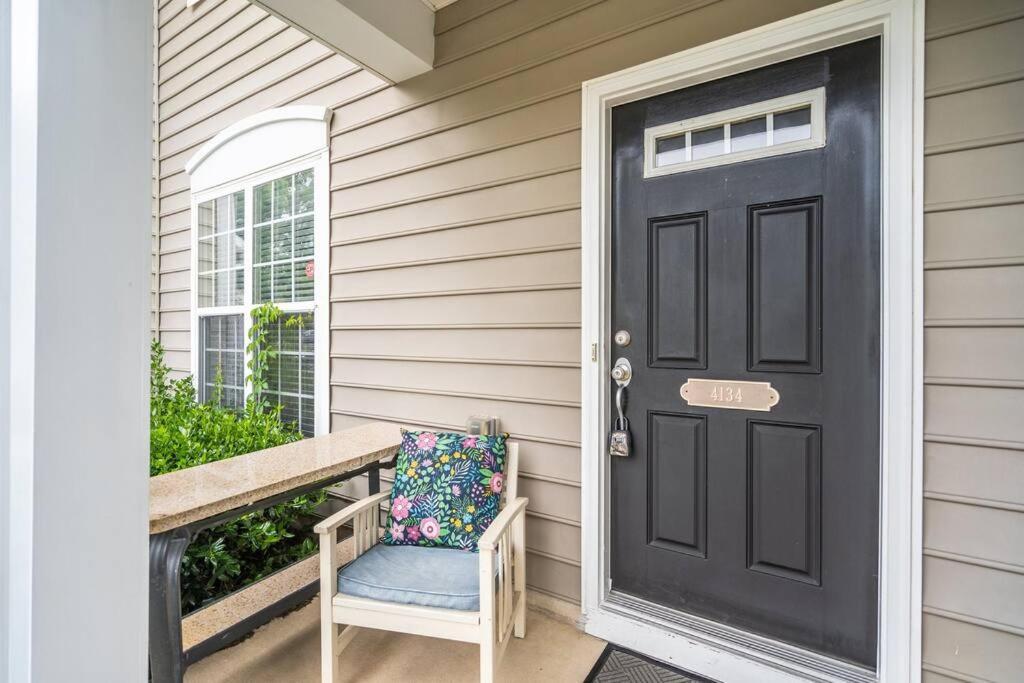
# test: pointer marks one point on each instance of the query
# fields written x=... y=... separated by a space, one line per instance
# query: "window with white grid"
x=255 y=243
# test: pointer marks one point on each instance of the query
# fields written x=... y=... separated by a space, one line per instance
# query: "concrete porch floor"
x=288 y=649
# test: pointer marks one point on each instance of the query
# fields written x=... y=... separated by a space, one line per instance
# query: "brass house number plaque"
x=722 y=393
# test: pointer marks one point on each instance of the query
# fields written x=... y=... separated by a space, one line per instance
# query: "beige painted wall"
x=973 y=618
x=455 y=251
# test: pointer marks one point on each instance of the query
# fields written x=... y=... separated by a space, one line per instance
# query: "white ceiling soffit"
x=393 y=39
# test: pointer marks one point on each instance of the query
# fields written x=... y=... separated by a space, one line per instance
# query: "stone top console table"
x=183 y=503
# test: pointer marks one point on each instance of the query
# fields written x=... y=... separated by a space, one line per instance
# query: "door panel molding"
x=677 y=236
x=677 y=520
x=778 y=285
x=634 y=623
x=787 y=545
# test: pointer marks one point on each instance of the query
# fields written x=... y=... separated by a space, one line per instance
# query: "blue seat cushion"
x=414 y=575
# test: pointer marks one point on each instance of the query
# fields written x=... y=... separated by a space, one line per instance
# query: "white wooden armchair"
x=502 y=584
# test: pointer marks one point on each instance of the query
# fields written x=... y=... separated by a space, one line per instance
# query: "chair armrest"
x=331 y=524
x=501 y=522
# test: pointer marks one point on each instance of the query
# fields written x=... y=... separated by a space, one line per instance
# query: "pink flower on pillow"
x=497 y=482
x=400 y=507
x=413 y=534
x=426 y=441
x=469 y=442
x=398 y=532
x=430 y=528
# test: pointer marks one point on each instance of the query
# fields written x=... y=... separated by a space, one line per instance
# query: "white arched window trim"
x=260 y=148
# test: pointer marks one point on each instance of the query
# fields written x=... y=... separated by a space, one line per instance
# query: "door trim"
x=686 y=642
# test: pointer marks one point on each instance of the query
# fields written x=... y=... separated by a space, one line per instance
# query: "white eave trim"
x=299 y=112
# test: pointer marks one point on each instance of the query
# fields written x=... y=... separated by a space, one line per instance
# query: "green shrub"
x=185 y=433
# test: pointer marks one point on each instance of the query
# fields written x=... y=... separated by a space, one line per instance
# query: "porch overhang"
x=393 y=39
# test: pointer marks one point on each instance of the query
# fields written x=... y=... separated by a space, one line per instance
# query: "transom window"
x=255 y=243
x=768 y=128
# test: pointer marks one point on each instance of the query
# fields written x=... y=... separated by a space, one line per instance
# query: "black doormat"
x=618 y=665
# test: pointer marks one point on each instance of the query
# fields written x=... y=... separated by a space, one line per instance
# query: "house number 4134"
x=727 y=394
x=732 y=394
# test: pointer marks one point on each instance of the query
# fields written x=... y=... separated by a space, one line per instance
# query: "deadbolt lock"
x=622 y=338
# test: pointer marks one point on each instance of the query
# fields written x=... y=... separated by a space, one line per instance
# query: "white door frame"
x=700 y=645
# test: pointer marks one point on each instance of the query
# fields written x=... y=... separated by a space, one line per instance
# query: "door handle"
x=619 y=440
x=622 y=372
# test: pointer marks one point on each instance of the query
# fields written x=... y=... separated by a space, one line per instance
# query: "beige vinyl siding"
x=455 y=209
x=218 y=62
x=455 y=233
x=973 y=622
x=455 y=267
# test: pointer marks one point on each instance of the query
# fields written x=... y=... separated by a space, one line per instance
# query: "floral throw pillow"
x=447 y=488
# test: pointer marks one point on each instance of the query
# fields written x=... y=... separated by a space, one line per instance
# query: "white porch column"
x=75 y=140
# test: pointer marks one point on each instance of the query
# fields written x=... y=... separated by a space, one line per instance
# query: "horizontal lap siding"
x=218 y=62
x=455 y=208
x=973 y=627
x=455 y=233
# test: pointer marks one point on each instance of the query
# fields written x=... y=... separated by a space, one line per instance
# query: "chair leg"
x=519 y=569
x=329 y=659
x=520 y=627
x=487 y=661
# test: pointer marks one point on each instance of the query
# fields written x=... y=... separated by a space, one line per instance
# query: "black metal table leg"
x=373 y=480
x=166 y=663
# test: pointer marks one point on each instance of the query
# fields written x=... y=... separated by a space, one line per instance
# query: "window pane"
x=261 y=199
x=750 y=134
x=307 y=373
x=239 y=201
x=283 y=197
x=221 y=368
x=282 y=240
x=261 y=251
x=222 y=254
x=261 y=287
x=221 y=288
x=288 y=338
x=792 y=125
x=289 y=363
x=291 y=374
x=304 y=192
x=204 y=255
x=238 y=249
x=238 y=291
x=205 y=219
x=670 y=150
x=303 y=236
x=308 y=417
x=283 y=283
x=205 y=292
x=303 y=281
x=709 y=142
x=223 y=214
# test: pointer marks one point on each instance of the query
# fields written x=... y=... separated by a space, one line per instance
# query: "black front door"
x=732 y=268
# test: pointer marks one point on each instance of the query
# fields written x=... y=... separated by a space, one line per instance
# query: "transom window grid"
x=296 y=217
x=768 y=128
